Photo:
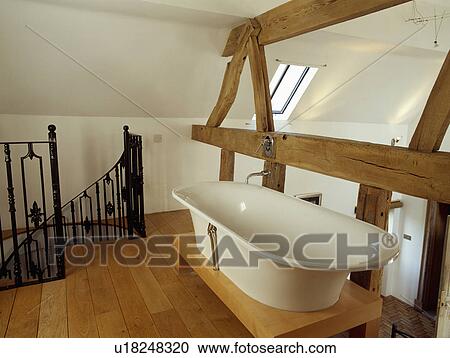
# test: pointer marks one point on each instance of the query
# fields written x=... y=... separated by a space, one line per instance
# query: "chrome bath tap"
x=262 y=173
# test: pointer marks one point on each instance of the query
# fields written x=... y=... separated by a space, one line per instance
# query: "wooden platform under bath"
x=355 y=308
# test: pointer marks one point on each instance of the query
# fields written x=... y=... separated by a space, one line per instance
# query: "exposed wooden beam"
x=233 y=41
x=277 y=177
x=392 y=168
x=373 y=207
x=226 y=165
x=396 y=204
x=298 y=17
x=260 y=80
x=436 y=117
x=231 y=79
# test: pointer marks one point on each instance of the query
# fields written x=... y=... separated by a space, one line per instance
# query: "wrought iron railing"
x=110 y=208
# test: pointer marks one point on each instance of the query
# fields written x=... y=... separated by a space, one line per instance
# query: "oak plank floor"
x=24 y=319
x=152 y=293
x=170 y=324
x=184 y=303
x=222 y=318
x=6 y=305
x=80 y=308
x=108 y=314
x=137 y=317
x=53 y=310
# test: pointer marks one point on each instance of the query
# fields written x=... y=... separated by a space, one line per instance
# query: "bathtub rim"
x=282 y=261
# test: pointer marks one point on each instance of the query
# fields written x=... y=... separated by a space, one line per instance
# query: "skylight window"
x=288 y=85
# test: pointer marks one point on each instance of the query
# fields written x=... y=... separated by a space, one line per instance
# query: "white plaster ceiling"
x=165 y=55
x=391 y=25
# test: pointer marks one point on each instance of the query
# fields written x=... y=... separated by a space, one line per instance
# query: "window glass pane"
x=277 y=77
x=286 y=88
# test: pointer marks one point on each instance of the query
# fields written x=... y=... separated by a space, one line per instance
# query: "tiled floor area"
x=406 y=318
x=137 y=301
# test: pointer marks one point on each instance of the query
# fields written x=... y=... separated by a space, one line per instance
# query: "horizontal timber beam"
x=424 y=175
x=396 y=204
x=297 y=17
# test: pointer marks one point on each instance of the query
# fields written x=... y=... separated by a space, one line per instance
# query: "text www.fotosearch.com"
x=266 y=348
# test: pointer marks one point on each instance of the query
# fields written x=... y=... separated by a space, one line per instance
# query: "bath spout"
x=262 y=173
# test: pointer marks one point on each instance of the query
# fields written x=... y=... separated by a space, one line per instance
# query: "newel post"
x=56 y=194
x=128 y=191
x=12 y=212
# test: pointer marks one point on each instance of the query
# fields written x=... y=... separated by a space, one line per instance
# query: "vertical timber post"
x=373 y=207
x=226 y=165
x=277 y=177
x=56 y=193
x=263 y=106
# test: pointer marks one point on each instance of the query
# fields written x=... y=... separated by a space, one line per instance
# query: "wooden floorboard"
x=188 y=309
x=6 y=305
x=170 y=324
x=137 y=317
x=80 y=308
x=167 y=320
x=24 y=318
x=53 y=310
x=220 y=316
x=108 y=314
x=184 y=303
x=149 y=288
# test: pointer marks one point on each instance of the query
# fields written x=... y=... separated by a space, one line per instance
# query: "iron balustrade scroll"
x=110 y=208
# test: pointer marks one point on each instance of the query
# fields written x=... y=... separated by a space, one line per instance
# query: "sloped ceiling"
x=165 y=56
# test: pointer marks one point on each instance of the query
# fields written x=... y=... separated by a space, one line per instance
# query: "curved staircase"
x=110 y=208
